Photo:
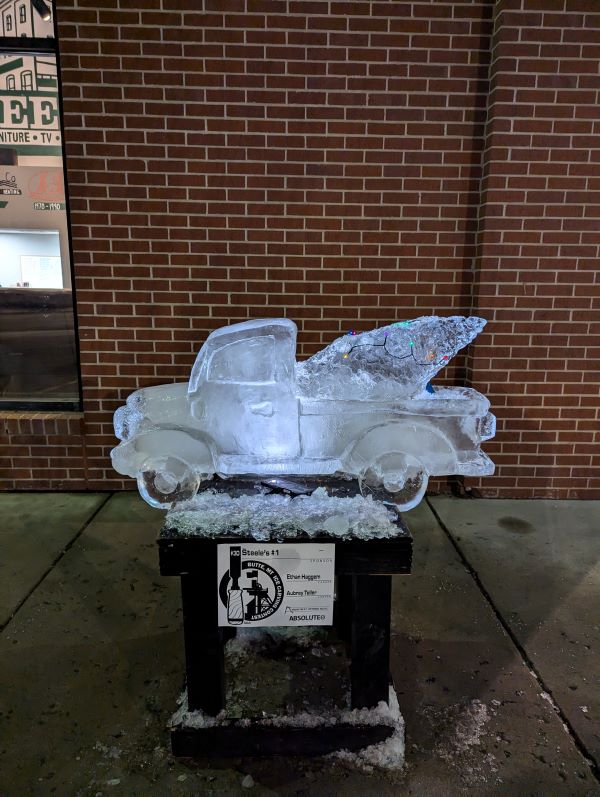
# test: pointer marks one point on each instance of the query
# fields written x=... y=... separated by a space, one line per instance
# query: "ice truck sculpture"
x=362 y=407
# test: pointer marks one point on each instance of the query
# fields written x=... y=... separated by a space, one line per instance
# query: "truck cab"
x=242 y=391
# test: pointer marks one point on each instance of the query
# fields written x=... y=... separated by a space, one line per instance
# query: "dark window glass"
x=9 y=24
x=38 y=349
x=22 y=14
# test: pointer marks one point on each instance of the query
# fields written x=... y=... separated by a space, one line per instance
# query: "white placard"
x=274 y=584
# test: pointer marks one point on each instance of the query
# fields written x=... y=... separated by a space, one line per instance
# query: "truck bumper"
x=482 y=466
x=121 y=457
x=488 y=427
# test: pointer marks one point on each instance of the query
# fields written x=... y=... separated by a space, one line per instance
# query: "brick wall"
x=537 y=275
x=42 y=451
x=324 y=161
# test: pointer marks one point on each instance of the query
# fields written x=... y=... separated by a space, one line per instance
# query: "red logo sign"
x=47 y=186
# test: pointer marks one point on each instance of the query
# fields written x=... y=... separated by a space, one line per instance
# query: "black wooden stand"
x=361 y=618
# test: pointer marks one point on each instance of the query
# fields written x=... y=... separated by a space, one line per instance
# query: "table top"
x=277 y=509
x=370 y=537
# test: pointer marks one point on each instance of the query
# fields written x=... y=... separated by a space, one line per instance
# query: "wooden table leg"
x=370 y=640
x=342 y=609
x=204 y=640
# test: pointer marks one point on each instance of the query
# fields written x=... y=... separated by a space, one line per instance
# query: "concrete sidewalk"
x=493 y=656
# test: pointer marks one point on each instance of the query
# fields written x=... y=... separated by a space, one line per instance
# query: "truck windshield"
x=249 y=361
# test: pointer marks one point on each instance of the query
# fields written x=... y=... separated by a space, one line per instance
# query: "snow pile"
x=388 y=754
x=460 y=727
x=211 y=514
x=184 y=718
x=470 y=727
x=387 y=363
x=255 y=643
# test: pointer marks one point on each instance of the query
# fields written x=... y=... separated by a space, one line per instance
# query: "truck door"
x=247 y=393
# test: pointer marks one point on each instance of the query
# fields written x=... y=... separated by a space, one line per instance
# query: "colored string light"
x=430 y=356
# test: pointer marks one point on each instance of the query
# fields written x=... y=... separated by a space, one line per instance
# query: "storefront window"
x=38 y=349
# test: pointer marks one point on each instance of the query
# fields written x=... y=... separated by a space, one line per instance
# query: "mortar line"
x=526 y=660
x=60 y=555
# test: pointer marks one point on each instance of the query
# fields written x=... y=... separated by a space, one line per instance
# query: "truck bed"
x=446 y=401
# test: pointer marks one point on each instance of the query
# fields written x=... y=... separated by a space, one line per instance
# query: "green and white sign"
x=29 y=108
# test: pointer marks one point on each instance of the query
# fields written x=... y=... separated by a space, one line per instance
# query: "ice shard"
x=394 y=361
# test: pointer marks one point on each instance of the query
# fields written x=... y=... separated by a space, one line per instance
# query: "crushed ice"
x=211 y=514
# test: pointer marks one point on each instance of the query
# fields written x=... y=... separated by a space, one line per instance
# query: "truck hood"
x=158 y=405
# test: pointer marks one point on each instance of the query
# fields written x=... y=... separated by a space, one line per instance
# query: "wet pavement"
x=493 y=659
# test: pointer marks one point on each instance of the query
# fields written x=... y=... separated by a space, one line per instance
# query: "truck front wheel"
x=165 y=481
x=395 y=477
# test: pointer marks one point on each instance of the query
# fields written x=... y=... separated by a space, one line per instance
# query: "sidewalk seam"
x=577 y=741
x=55 y=562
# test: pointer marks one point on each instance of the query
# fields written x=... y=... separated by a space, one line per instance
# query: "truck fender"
x=130 y=457
x=398 y=436
x=487 y=429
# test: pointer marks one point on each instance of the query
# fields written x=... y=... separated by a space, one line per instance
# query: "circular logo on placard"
x=255 y=595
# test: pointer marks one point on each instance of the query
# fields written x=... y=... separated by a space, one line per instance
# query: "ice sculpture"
x=362 y=407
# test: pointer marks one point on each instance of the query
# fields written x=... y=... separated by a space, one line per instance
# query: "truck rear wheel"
x=165 y=481
x=397 y=478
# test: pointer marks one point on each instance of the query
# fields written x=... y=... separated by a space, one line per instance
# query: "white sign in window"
x=275 y=584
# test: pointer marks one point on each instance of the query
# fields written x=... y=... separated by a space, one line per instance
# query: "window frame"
x=38 y=46
x=27 y=80
x=225 y=350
